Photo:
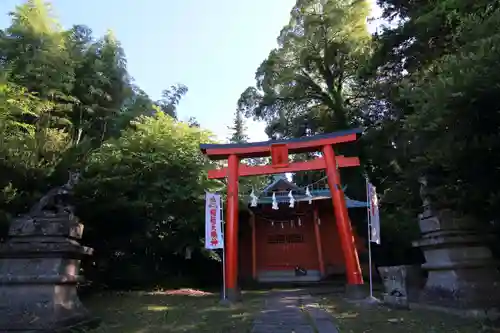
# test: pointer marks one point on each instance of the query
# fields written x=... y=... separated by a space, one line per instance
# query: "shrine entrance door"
x=281 y=247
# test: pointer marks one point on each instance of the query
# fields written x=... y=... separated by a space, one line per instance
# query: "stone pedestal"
x=461 y=271
x=401 y=284
x=39 y=267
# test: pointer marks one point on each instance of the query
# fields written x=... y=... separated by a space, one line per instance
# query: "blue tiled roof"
x=316 y=195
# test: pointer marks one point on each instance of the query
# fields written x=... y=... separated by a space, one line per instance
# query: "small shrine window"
x=295 y=238
x=285 y=239
x=276 y=239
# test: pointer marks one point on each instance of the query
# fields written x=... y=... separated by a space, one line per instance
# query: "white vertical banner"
x=374 y=215
x=213 y=226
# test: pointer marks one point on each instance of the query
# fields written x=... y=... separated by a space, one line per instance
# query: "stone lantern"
x=39 y=268
x=461 y=270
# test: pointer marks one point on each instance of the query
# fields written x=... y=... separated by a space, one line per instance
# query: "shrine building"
x=291 y=234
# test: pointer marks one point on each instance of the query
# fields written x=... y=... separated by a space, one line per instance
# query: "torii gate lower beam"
x=279 y=151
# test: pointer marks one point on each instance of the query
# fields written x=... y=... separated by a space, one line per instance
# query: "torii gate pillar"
x=231 y=232
x=279 y=151
x=353 y=270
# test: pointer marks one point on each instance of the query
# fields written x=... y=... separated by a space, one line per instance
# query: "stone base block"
x=396 y=302
x=45 y=308
x=467 y=298
x=463 y=288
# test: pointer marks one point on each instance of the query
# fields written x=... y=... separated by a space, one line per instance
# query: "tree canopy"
x=68 y=102
x=306 y=86
x=423 y=89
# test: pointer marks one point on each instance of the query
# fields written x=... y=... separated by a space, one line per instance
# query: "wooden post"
x=232 y=290
x=319 y=247
x=254 y=245
x=353 y=271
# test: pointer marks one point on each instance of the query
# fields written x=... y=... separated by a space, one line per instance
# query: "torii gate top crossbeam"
x=263 y=149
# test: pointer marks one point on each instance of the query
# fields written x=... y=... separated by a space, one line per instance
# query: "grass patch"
x=355 y=318
x=164 y=312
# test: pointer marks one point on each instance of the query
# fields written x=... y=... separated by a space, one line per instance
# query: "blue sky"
x=213 y=47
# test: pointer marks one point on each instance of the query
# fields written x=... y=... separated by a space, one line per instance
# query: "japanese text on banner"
x=374 y=214
x=213 y=225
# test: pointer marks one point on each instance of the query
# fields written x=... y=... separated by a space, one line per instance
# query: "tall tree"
x=67 y=101
x=432 y=108
x=102 y=88
x=34 y=51
x=34 y=54
x=305 y=85
x=193 y=122
x=238 y=135
x=171 y=98
x=150 y=169
x=238 y=129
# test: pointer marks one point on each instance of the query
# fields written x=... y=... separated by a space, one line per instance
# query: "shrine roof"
x=295 y=145
x=281 y=187
x=320 y=194
x=280 y=183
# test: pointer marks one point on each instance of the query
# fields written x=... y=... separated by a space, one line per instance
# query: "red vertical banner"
x=213 y=225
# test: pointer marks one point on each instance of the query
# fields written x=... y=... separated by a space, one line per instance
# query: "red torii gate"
x=279 y=151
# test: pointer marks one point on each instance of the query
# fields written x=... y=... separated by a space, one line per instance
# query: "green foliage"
x=159 y=166
x=238 y=129
x=238 y=136
x=35 y=52
x=152 y=182
x=102 y=87
x=424 y=88
x=458 y=92
x=305 y=86
x=67 y=101
x=170 y=99
x=29 y=152
x=439 y=116
x=431 y=110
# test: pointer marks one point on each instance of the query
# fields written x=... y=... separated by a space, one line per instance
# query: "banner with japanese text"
x=374 y=215
x=213 y=223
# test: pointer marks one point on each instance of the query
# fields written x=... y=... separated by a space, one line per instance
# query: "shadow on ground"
x=137 y=312
x=362 y=318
